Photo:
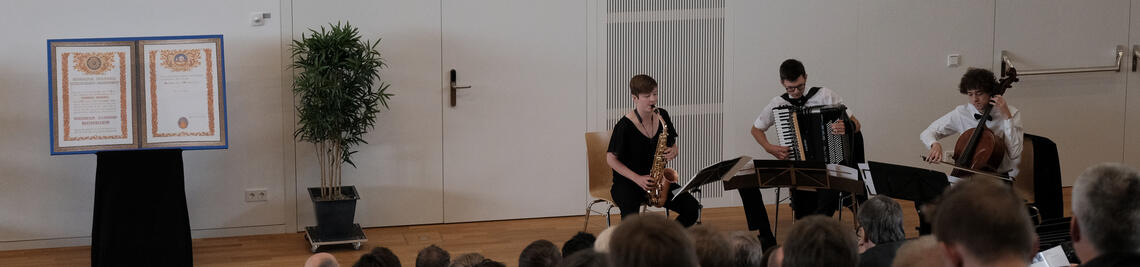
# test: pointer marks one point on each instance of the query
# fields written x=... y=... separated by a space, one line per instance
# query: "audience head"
x=1106 y=211
x=820 y=241
x=880 y=222
x=321 y=260
x=540 y=253
x=746 y=249
x=712 y=246
x=602 y=244
x=651 y=240
x=433 y=256
x=773 y=257
x=490 y=263
x=378 y=257
x=981 y=221
x=467 y=260
x=586 y=258
x=580 y=241
x=923 y=251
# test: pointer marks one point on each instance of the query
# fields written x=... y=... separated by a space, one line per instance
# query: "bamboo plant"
x=337 y=83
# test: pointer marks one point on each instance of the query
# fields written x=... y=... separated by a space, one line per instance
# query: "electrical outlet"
x=256 y=195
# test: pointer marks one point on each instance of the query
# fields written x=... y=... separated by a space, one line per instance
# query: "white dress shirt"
x=962 y=118
x=823 y=97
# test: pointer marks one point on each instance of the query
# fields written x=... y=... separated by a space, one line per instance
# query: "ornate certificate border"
x=60 y=100
x=180 y=60
x=134 y=112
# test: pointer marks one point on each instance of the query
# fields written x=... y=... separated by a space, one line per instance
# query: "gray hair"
x=1106 y=202
x=882 y=220
x=748 y=250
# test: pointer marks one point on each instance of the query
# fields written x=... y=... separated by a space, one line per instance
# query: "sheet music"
x=1052 y=257
x=746 y=169
x=867 y=180
x=723 y=171
x=836 y=170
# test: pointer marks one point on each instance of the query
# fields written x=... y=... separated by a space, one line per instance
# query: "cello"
x=979 y=148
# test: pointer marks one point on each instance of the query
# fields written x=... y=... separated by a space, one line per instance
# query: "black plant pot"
x=335 y=216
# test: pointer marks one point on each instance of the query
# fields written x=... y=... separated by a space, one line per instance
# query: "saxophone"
x=661 y=175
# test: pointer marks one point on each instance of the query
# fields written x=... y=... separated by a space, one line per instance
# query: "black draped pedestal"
x=140 y=210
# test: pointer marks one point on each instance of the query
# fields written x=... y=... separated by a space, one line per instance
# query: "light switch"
x=258 y=18
x=953 y=60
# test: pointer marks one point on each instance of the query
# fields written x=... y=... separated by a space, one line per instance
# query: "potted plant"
x=337 y=83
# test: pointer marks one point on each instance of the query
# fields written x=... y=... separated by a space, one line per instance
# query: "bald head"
x=321 y=260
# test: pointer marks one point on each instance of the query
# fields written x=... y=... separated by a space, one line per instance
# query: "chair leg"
x=589 y=209
x=608 y=212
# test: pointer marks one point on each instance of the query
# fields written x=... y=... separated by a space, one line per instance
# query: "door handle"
x=455 y=87
x=1007 y=63
x=1135 y=55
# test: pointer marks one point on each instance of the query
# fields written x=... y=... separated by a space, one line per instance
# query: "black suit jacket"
x=880 y=254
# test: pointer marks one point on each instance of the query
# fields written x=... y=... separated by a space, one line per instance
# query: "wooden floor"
x=498 y=240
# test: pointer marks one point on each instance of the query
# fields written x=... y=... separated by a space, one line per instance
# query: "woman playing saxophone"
x=642 y=140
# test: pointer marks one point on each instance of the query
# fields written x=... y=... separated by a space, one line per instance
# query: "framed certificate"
x=182 y=96
x=136 y=93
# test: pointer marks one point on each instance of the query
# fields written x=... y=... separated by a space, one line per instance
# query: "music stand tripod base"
x=356 y=237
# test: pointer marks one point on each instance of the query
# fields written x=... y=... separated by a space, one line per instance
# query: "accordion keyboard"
x=786 y=131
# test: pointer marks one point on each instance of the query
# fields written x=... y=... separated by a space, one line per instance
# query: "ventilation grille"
x=681 y=44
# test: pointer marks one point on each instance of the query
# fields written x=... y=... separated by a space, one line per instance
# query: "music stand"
x=905 y=182
x=793 y=174
x=782 y=173
x=719 y=171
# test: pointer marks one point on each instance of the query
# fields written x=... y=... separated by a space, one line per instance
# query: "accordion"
x=807 y=131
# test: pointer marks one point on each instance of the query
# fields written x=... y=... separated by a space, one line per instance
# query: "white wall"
x=1132 y=123
x=46 y=200
x=887 y=58
x=903 y=79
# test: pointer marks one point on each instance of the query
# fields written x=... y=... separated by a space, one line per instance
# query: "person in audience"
x=880 y=231
x=923 y=251
x=378 y=257
x=467 y=260
x=746 y=249
x=602 y=244
x=773 y=256
x=631 y=151
x=713 y=249
x=652 y=240
x=322 y=259
x=981 y=222
x=580 y=241
x=490 y=263
x=1106 y=216
x=586 y=258
x=819 y=240
x=540 y=253
x=433 y=256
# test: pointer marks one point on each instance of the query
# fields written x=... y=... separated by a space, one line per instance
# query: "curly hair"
x=977 y=79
